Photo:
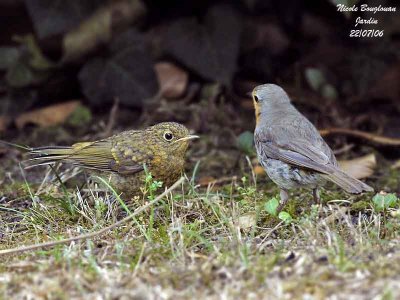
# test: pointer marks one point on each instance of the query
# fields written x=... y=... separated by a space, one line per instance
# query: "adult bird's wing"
x=294 y=148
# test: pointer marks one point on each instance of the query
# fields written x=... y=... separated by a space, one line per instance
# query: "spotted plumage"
x=122 y=157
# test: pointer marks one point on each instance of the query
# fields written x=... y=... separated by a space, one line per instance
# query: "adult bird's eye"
x=255 y=98
x=168 y=136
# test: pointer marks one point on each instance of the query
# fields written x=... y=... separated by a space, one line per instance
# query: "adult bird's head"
x=267 y=98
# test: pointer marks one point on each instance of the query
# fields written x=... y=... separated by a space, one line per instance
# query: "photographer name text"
x=369 y=21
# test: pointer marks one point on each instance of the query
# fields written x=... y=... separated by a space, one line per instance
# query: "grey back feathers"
x=284 y=134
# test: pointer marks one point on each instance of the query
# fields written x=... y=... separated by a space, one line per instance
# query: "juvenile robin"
x=291 y=150
x=122 y=157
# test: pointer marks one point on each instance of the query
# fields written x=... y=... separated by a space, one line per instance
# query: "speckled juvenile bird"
x=121 y=157
x=290 y=148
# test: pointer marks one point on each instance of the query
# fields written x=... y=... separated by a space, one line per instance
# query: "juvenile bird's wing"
x=295 y=148
x=119 y=154
x=130 y=153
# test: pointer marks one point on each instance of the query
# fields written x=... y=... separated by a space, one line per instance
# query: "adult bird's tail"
x=348 y=183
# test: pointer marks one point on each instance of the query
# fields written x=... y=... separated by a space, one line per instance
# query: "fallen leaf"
x=209 y=180
x=47 y=116
x=209 y=48
x=361 y=167
x=247 y=221
x=387 y=141
x=173 y=81
x=396 y=165
x=206 y=180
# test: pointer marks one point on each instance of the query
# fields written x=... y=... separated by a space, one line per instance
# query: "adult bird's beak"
x=188 y=137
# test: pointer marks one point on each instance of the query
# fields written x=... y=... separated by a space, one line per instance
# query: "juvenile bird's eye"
x=168 y=136
x=255 y=98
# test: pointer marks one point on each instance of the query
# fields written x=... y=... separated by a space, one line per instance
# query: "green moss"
x=360 y=206
x=81 y=116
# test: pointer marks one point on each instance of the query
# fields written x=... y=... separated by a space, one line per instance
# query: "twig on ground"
x=344 y=149
x=96 y=233
x=111 y=118
x=220 y=181
x=374 y=138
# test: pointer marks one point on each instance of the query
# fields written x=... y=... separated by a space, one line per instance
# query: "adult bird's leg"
x=317 y=199
x=284 y=199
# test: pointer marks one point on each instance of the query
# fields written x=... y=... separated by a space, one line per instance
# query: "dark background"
x=193 y=62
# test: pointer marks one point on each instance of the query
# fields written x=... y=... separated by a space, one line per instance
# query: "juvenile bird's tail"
x=348 y=183
x=48 y=155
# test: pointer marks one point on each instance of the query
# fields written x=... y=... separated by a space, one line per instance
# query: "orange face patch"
x=256 y=107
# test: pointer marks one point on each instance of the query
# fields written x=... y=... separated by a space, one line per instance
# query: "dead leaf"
x=396 y=165
x=247 y=221
x=206 y=180
x=387 y=141
x=209 y=180
x=361 y=167
x=173 y=81
x=48 y=116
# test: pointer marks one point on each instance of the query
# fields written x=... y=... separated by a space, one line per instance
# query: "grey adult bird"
x=291 y=150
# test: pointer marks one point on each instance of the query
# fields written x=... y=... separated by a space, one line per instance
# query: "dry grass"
x=214 y=243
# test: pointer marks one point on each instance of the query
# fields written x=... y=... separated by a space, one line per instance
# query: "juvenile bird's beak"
x=250 y=94
x=188 y=137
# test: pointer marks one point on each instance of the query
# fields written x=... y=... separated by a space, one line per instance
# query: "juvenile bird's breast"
x=167 y=168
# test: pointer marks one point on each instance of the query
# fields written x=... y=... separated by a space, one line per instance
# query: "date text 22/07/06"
x=366 y=33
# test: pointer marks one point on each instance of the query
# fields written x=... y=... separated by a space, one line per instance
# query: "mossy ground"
x=211 y=243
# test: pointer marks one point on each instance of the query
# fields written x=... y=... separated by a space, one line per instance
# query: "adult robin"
x=291 y=150
x=123 y=157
